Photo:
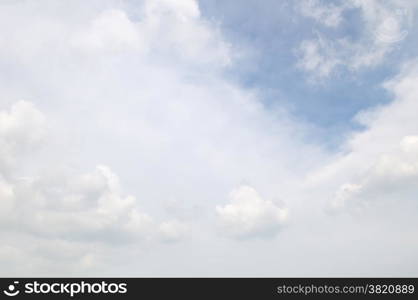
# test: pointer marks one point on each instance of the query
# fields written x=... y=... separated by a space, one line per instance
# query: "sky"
x=208 y=138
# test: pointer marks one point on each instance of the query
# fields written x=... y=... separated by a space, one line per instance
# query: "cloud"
x=327 y=14
x=130 y=106
x=249 y=215
x=391 y=178
x=72 y=207
x=170 y=29
x=173 y=230
x=75 y=210
x=7 y=198
x=112 y=31
x=81 y=207
x=386 y=24
x=318 y=56
x=140 y=110
x=21 y=129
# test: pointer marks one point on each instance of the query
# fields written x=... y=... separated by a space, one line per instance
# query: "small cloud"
x=248 y=215
x=172 y=231
x=318 y=56
x=327 y=14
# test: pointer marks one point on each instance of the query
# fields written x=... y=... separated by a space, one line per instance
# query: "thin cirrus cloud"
x=327 y=14
x=385 y=25
x=134 y=145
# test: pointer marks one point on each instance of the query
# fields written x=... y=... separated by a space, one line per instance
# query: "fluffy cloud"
x=249 y=215
x=172 y=29
x=61 y=210
x=89 y=206
x=64 y=205
x=57 y=204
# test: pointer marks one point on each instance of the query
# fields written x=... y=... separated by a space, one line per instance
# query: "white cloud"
x=111 y=31
x=318 y=56
x=327 y=14
x=391 y=177
x=70 y=207
x=249 y=215
x=7 y=197
x=136 y=89
x=172 y=29
x=176 y=27
x=21 y=129
x=173 y=230
x=323 y=57
x=184 y=10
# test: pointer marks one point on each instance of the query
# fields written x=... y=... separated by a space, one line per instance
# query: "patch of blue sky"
x=273 y=30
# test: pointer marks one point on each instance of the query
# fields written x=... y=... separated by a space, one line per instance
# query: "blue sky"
x=273 y=31
x=208 y=138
